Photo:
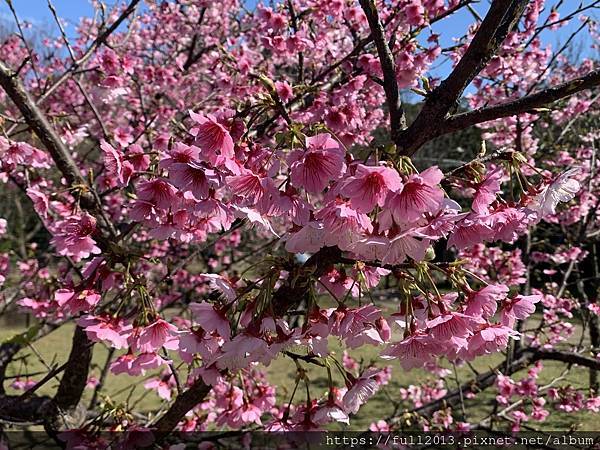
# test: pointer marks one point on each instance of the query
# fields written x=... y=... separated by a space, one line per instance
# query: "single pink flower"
x=361 y=390
x=124 y=364
x=211 y=320
x=370 y=185
x=194 y=178
x=371 y=248
x=163 y=386
x=489 y=339
x=221 y=284
x=179 y=153
x=470 y=231
x=212 y=136
x=343 y=224
x=562 y=189
x=158 y=192
x=310 y=238
x=251 y=187
x=320 y=163
x=484 y=302
x=147 y=361
x=508 y=223
x=451 y=329
x=420 y=194
x=414 y=351
x=40 y=201
x=137 y=157
x=284 y=90
x=405 y=245
x=155 y=336
x=487 y=190
x=106 y=328
x=118 y=169
x=332 y=409
x=72 y=236
x=520 y=307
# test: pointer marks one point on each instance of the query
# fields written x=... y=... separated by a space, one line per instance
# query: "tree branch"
x=73 y=382
x=522 y=105
x=291 y=294
x=524 y=359
x=500 y=20
x=287 y=296
x=390 y=83
x=183 y=403
x=12 y=85
x=100 y=39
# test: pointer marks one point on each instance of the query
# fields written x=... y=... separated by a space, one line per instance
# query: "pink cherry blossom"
x=211 y=136
x=154 y=336
x=369 y=186
x=194 y=178
x=419 y=195
x=72 y=237
x=360 y=391
x=414 y=351
x=210 y=319
x=321 y=162
x=103 y=328
x=487 y=190
x=116 y=166
x=562 y=189
x=76 y=302
x=485 y=301
x=519 y=307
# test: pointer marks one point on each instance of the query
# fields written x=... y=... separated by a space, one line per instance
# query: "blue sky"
x=37 y=12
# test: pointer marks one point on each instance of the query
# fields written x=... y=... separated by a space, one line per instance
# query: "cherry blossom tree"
x=213 y=186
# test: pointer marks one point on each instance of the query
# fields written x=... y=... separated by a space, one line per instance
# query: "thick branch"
x=566 y=357
x=500 y=20
x=73 y=382
x=390 y=83
x=522 y=105
x=183 y=403
x=291 y=294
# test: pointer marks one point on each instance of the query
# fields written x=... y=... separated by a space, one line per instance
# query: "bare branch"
x=73 y=382
x=522 y=105
x=390 y=83
x=500 y=20
x=183 y=403
x=487 y=379
x=100 y=39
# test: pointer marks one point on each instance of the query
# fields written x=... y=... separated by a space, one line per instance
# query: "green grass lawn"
x=282 y=372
